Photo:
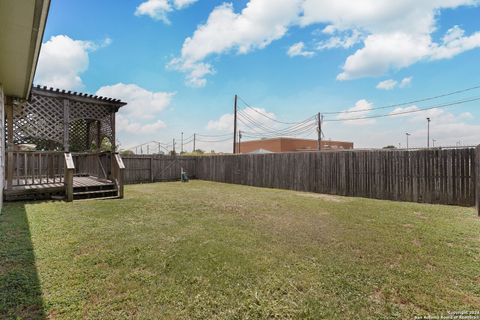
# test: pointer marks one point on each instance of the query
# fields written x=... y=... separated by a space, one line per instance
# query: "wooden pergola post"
x=112 y=122
x=66 y=125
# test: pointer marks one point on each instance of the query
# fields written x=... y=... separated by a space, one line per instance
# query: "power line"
x=268 y=128
x=213 y=141
x=407 y=103
x=296 y=132
x=213 y=135
x=254 y=125
x=265 y=115
x=405 y=112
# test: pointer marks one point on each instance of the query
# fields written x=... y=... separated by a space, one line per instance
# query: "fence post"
x=151 y=168
x=477 y=179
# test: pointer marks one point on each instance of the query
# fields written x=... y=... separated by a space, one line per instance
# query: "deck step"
x=100 y=198
x=97 y=191
x=94 y=192
x=84 y=187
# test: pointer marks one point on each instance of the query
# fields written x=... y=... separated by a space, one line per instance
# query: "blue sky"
x=179 y=63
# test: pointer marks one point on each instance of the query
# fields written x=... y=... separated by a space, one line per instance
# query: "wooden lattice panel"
x=39 y=119
x=83 y=110
x=87 y=111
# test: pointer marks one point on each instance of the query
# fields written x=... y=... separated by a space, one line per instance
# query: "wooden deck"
x=46 y=188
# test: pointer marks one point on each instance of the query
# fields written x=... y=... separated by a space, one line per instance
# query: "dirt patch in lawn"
x=326 y=197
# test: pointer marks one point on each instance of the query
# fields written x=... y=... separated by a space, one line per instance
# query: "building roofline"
x=298 y=139
x=77 y=96
x=42 y=8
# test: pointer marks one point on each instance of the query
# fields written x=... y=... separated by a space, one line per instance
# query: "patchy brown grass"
x=205 y=250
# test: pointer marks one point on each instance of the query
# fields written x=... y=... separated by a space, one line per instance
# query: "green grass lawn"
x=205 y=250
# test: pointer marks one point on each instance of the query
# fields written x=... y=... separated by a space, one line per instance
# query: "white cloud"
x=297 y=49
x=403 y=111
x=387 y=84
x=143 y=107
x=445 y=127
x=330 y=29
x=255 y=27
x=437 y=115
x=406 y=82
x=124 y=124
x=196 y=71
x=62 y=60
x=390 y=84
x=180 y=4
x=395 y=35
x=382 y=52
x=344 y=41
x=361 y=109
x=141 y=102
x=454 y=43
x=398 y=33
x=393 y=51
x=159 y=9
x=224 y=123
x=155 y=9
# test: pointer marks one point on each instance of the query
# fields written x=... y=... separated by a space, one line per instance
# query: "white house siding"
x=2 y=144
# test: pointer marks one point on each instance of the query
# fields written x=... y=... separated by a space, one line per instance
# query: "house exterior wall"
x=292 y=145
x=2 y=145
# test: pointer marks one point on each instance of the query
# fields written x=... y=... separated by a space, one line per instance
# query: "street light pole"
x=428 y=132
x=407 y=134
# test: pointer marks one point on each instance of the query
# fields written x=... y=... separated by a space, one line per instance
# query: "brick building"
x=290 y=145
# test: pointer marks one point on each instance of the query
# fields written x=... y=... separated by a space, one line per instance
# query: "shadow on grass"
x=20 y=291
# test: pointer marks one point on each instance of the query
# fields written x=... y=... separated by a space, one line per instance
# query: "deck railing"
x=97 y=164
x=69 y=172
x=34 y=168
x=118 y=169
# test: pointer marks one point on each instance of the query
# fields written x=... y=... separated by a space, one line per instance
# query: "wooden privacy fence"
x=431 y=176
x=154 y=168
x=443 y=176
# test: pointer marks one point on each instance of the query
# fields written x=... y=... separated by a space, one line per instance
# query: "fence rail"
x=431 y=176
x=428 y=175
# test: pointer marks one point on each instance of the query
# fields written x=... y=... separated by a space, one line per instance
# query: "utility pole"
x=159 y=150
x=235 y=125
x=173 y=145
x=141 y=150
x=433 y=142
x=181 y=145
x=407 y=134
x=428 y=132
x=319 y=129
x=148 y=149
x=194 y=137
x=239 y=140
